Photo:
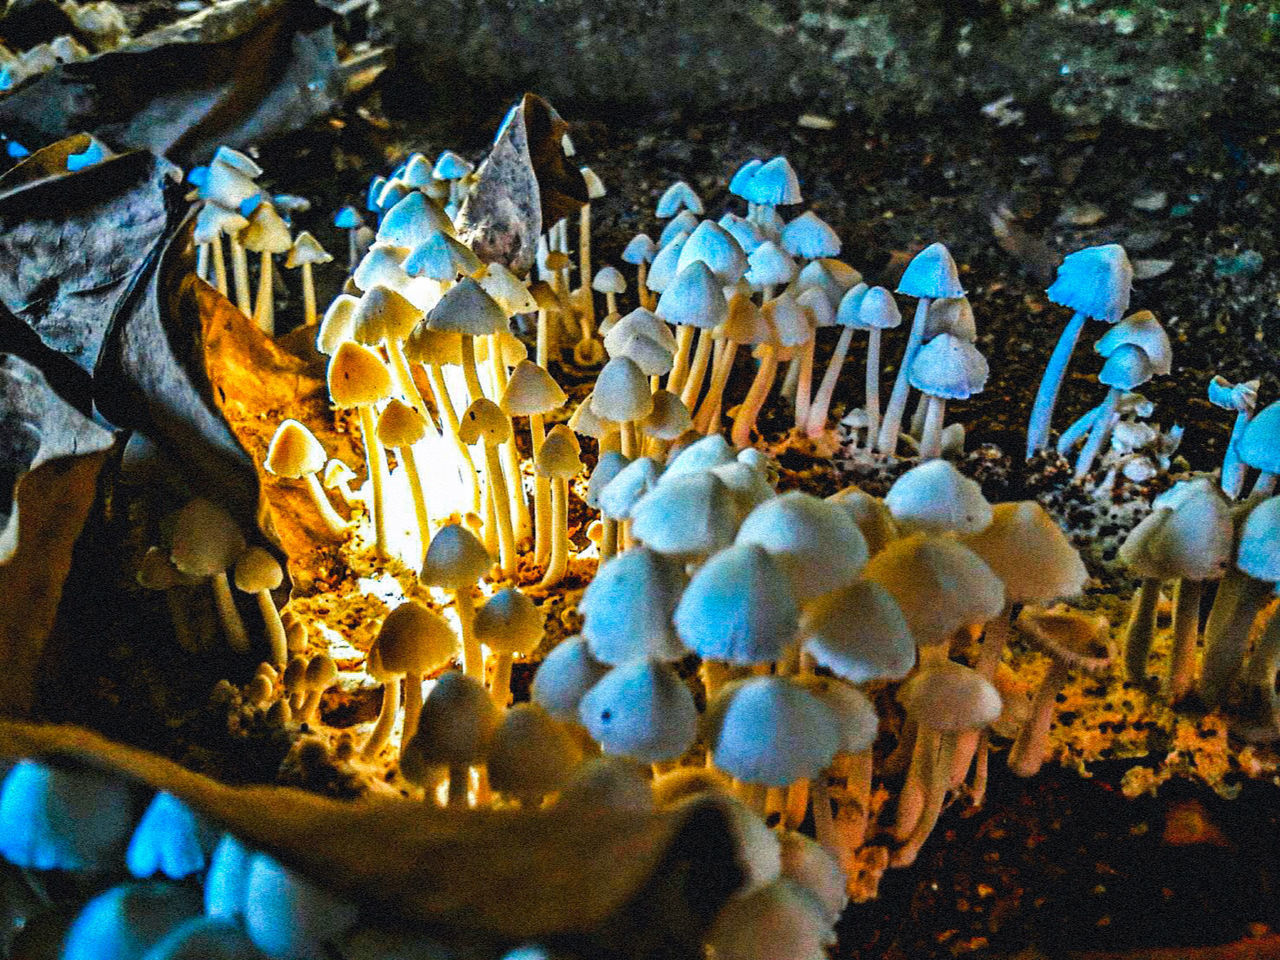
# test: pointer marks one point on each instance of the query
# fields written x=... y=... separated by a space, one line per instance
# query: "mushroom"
x=296 y=454
x=452 y=169
x=953 y=315
x=1131 y=404
x=870 y=514
x=693 y=303
x=224 y=883
x=821 y=314
x=678 y=196
x=945 y=368
x=128 y=920
x=814 y=541
x=595 y=191
x=206 y=541
x=305 y=253
x=621 y=494
x=257 y=572
x=531 y=756
x=1258 y=448
x=788 y=324
x=411 y=219
x=508 y=624
x=558 y=462
x=348 y=218
x=774 y=184
x=286 y=915
x=608 y=466
x=639 y=252
x=413 y=641
x=294 y=680
x=743 y=325
x=780 y=920
x=1068 y=637
x=847 y=317
x=442 y=258
x=400 y=426
x=322 y=673
x=455 y=730
x=357 y=378
x=809 y=236
x=564 y=677
x=230 y=183
x=935 y=497
x=628 y=608
x=858 y=632
x=169 y=840
x=688 y=517
x=157 y=572
x=455 y=560
x=212 y=222
x=663 y=268
x=532 y=392
x=608 y=783
x=267 y=234
x=63 y=818
x=484 y=422
x=466 y=309
x=930 y=275
x=621 y=395
x=610 y=282
x=1093 y=282
x=383 y=316
x=1242 y=398
x=667 y=421
x=336 y=324
x=642 y=710
x=1127 y=367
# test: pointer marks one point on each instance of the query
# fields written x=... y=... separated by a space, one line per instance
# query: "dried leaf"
x=524 y=184
x=56 y=454
x=613 y=884
x=242 y=72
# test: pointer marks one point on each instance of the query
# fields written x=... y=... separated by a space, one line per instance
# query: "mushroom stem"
x=232 y=624
x=1077 y=431
x=911 y=798
x=1264 y=486
x=1029 y=750
x=630 y=440
x=1047 y=394
x=308 y=296
x=1226 y=635
x=541 y=495
x=707 y=419
x=1233 y=468
x=459 y=782
x=559 y=562
x=500 y=685
x=642 y=274
x=332 y=519
x=469 y=371
x=542 y=348
x=745 y=420
x=376 y=461
x=824 y=826
x=240 y=268
x=276 y=638
x=412 y=698
x=887 y=439
x=183 y=632
x=680 y=364
x=498 y=485
x=692 y=387
x=584 y=266
x=421 y=515
x=510 y=452
x=202 y=261
x=611 y=301
x=931 y=435
x=1098 y=434
x=472 y=655
x=219 y=266
x=1141 y=629
x=262 y=309
x=1186 y=633
x=855 y=813
x=871 y=403
x=403 y=378
x=937 y=778
x=804 y=388
x=816 y=424
x=441 y=390
x=609 y=542
x=381 y=732
x=994 y=639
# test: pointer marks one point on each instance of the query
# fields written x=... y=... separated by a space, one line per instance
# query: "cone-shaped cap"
x=1260 y=445
x=809 y=236
x=932 y=274
x=257 y=570
x=306 y=249
x=639 y=321
x=621 y=392
x=952 y=315
x=484 y=421
x=714 y=246
x=1127 y=367
x=738 y=608
x=1030 y=553
x=1192 y=539
x=669 y=417
x=439 y=347
x=663 y=269
x=770 y=265
x=455 y=559
x=704 y=454
x=640 y=249
x=936 y=498
x=266 y=232
x=294 y=451
x=630 y=484
x=399 y=425
x=641 y=710
x=382 y=265
x=510 y=622
x=531 y=390
x=679 y=196
x=629 y=605
x=558 y=456
x=383 y=314
x=609 y=279
x=1095 y=281
x=608 y=466
x=441 y=257
x=465 y=308
x=510 y=292
x=775 y=184
x=772 y=731
x=412 y=221
x=950 y=697
x=415 y=639
x=206 y=539
x=814 y=541
x=564 y=677
x=860 y=633
x=337 y=325
x=531 y=753
x=694 y=299
x=690 y=516
x=1141 y=329
x=357 y=376
x=457 y=725
x=870 y=514
x=878 y=309
x=746 y=232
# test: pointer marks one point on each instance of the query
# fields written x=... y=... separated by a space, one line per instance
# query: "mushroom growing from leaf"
x=357 y=378
x=206 y=541
x=257 y=572
x=508 y=624
x=296 y=454
x=267 y=235
x=455 y=560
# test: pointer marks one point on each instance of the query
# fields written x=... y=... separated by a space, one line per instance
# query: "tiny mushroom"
x=509 y=623
x=258 y=572
x=358 y=378
x=206 y=541
x=455 y=560
x=531 y=755
x=455 y=730
x=296 y=454
x=305 y=253
x=558 y=462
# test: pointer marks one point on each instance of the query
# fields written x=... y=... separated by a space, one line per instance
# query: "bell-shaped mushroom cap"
x=809 y=236
x=1127 y=367
x=484 y=420
x=438 y=347
x=595 y=186
x=821 y=312
x=306 y=249
x=337 y=324
x=679 y=196
x=257 y=570
x=126 y=921
x=608 y=466
x=833 y=277
x=510 y=622
x=745 y=323
x=510 y=292
x=206 y=540
x=628 y=607
x=294 y=452
x=694 y=298
x=770 y=730
x=774 y=184
x=1241 y=397
x=953 y=315
x=814 y=541
x=455 y=559
x=399 y=425
x=849 y=309
x=348 y=218
x=653 y=357
x=875 y=308
x=441 y=257
x=710 y=244
x=224 y=884
x=1256 y=554
x=815 y=869
x=742 y=176
x=788 y=320
x=1069 y=636
x=456 y=726
x=669 y=417
x=416 y=171
x=414 y=638
x=1095 y=281
x=621 y=392
x=779 y=921
x=564 y=677
x=950 y=697
x=628 y=486
x=392 y=192
x=1141 y=329
x=690 y=516
x=288 y=916
x=609 y=783
x=531 y=390
x=1259 y=447
x=465 y=308
x=935 y=497
x=413 y=220
x=609 y=279
x=859 y=633
x=639 y=321
x=641 y=710
x=746 y=232
x=770 y=265
x=639 y=249
x=204 y=938
x=685 y=222
x=931 y=274
x=558 y=456
x=167 y=840
x=450 y=166
x=384 y=265
x=585 y=421
x=663 y=269
x=748 y=486
x=738 y=607
x=383 y=314
x=704 y=454
x=949 y=367
x=1028 y=551
x=63 y=819
x=531 y=753
x=266 y=232
x=855 y=713
x=940 y=585
x=357 y=376
x=213 y=221
x=870 y=514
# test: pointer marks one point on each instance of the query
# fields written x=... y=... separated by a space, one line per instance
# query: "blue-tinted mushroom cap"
x=775 y=184
x=738 y=182
x=608 y=466
x=809 y=236
x=198 y=176
x=227 y=881
x=949 y=367
x=639 y=249
x=58 y=819
x=814 y=541
x=415 y=171
x=13 y=148
x=91 y=154
x=412 y=221
x=627 y=608
x=770 y=266
x=450 y=166
x=746 y=232
x=169 y=839
x=679 y=196
x=373 y=193
x=771 y=731
x=290 y=918
x=1141 y=329
x=1259 y=447
x=632 y=482
x=714 y=246
x=738 y=607
x=348 y=218
x=931 y=274
x=250 y=204
x=1127 y=367
x=126 y=921
x=641 y=710
x=1095 y=281
x=204 y=938
x=695 y=298
x=441 y=257
x=690 y=516
x=663 y=269
x=704 y=454
x=564 y=677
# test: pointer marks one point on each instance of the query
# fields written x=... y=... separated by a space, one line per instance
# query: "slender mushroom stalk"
x=211 y=223
x=230 y=184
x=595 y=191
x=387 y=318
x=744 y=324
x=508 y=624
x=455 y=560
x=157 y=572
x=305 y=253
x=1243 y=399
x=258 y=573
x=639 y=252
x=296 y=454
x=357 y=378
x=485 y=423
x=412 y=641
x=946 y=367
x=400 y=427
x=468 y=310
x=930 y=275
x=206 y=541
x=389 y=710
x=532 y=392
x=348 y=218
x=848 y=317
x=1128 y=367
x=266 y=235
x=321 y=674
x=789 y=326
x=558 y=460
x=1093 y=282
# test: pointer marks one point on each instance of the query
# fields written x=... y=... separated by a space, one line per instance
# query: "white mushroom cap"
x=450 y=166
x=705 y=454
x=1259 y=447
x=814 y=541
x=629 y=605
x=357 y=376
x=931 y=273
x=169 y=840
x=789 y=322
x=336 y=326
x=466 y=308
x=412 y=221
x=609 y=279
x=641 y=710
x=639 y=321
x=508 y=291
x=809 y=236
x=628 y=486
x=738 y=608
x=382 y=264
x=510 y=622
x=950 y=697
x=738 y=182
x=1141 y=329
x=214 y=220
x=128 y=920
x=694 y=298
x=685 y=222
x=712 y=245
x=746 y=232
x=748 y=485
x=669 y=417
x=621 y=392
x=679 y=196
x=595 y=186
x=1095 y=281
x=770 y=265
x=63 y=819
x=859 y=633
x=206 y=540
x=935 y=497
x=531 y=753
x=949 y=367
x=558 y=456
x=821 y=312
x=878 y=309
x=383 y=314
x=294 y=451
x=414 y=638
x=257 y=570
x=640 y=249
x=455 y=559
x=1030 y=553
x=772 y=731
x=306 y=249
x=608 y=466
x=1127 y=367
x=585 y=421
x=531 y=390
x=662 y=270
x=266 y=232
x=690 y=516
x=564 y=677
x=833 y=277
x=287 y=915
x=484 y=421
